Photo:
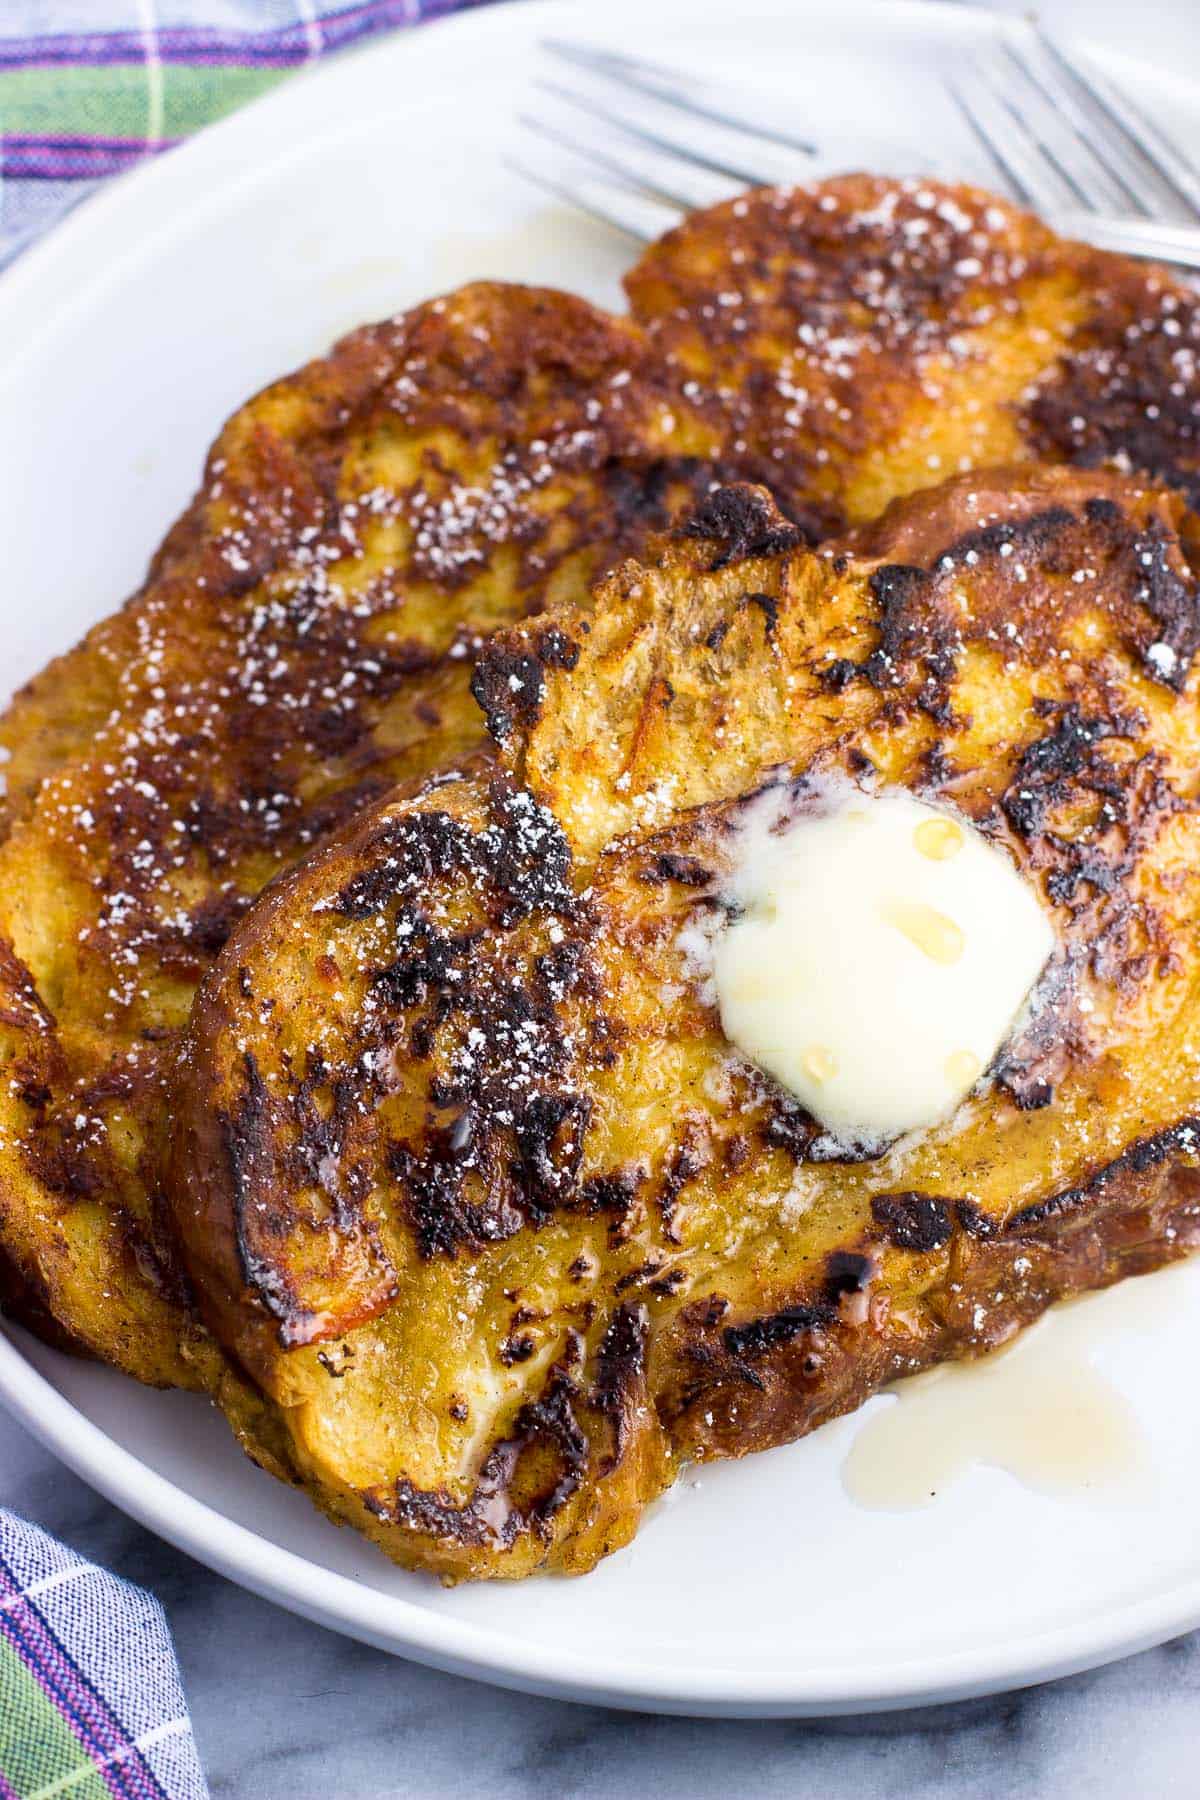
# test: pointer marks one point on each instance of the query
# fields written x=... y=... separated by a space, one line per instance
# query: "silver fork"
x=648 y=143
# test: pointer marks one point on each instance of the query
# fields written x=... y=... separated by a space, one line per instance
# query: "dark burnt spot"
x=688 y=1159
x=509 y=687
x=939 y=768
x=637 y=1277
x=247 y=1136
x=546 y=1436
x=1118 y=396
x=520 y=860
x=912 y=1221
x=613 y=1193
x=706 y=1313
x=264 y=1236
x=424 y=964
x=975 y=1222
x=210 y=922
x=789 y=1127
x=838 y=674
x=1050 y=764
x=848 y=1272
x=898 y=589
x=549 y=1132
x=526 y=856
x=413 y=850
x=518 y=1347
x=767 y=606
x=562 y=969
x=755 y=1339
x=1179 y=1140
x=31 y=1089
x=1172 y=603
x=742 y=521
x=504 y=1144
x=621 y=1374
x=640 y=492
x=506 y=1140
x=444 y=1217
x=1101 y=511
x=1037 y=537
x=668 y=865
x=1028 y=1091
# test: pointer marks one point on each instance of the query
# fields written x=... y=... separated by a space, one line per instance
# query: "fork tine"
x=1006 y=149
x=1177 y=174
x=1069 y=136
x=740 y=173
x=1039 y=140
x=630 y=175
x=615 y=208
x=1008 y=175
x=1126 y=188
x=670 y=86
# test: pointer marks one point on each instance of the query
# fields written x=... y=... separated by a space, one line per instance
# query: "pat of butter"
x=877 y=960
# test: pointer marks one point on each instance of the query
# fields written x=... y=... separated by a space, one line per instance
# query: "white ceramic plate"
x=124 y=340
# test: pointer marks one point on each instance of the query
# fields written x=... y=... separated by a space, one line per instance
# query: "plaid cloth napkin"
x=90 y=87
x=91 y=1703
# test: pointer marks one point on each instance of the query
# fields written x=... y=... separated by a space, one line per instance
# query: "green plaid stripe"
x=115 y=101
x=40 y=1754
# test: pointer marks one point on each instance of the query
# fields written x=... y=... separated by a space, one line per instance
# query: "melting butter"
x=1039 y=1409
x=879 y=953
x=936 y=936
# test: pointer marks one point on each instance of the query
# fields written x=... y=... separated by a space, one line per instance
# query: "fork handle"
x=1159 y=242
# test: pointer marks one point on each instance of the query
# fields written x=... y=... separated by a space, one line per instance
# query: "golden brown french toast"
x=467 y=1174
x=865 y=337
x=303 y=642
x=304 y=636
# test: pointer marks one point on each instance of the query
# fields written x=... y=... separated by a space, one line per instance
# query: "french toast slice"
x=847 y=342
x=467 y=1175
x=864 y=337
x=303 y=643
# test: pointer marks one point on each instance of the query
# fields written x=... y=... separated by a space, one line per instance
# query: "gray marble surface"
x=286 y=1711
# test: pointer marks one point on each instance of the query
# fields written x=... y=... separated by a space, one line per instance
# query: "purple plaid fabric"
x=89 y=88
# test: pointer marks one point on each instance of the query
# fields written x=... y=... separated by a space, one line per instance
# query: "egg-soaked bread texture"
x=865 y=337
x=302 y=644
x=466 y=1174
x=303 y=637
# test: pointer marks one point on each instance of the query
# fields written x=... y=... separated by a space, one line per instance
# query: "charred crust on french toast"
x=530 y=1475
x=547 y=1436
x=1149 y=566
x=621 y=1374
x=265 y=1232
x=508 y=685
x=740 y=522
x=913 y=1221
x=1124 y=391
x=756 y=1338
x=670 y=865
x=1178 y=1141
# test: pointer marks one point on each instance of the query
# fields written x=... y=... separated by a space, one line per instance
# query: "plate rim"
x=337 y=1601
x=403 y=1627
